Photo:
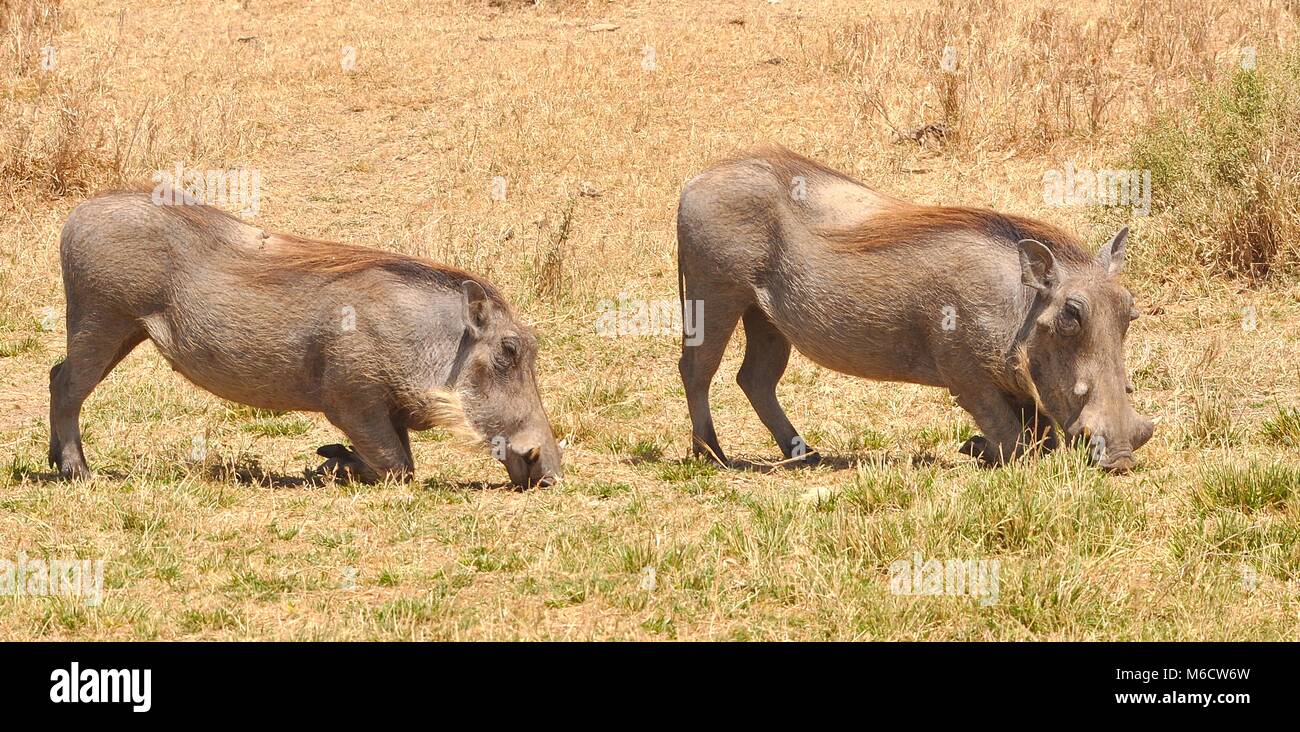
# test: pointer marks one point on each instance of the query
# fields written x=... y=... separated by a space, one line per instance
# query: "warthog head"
x=1074 y=344
x=498 y=390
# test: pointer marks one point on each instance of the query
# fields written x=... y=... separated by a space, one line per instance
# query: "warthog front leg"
x=381 y=449
x=342 y=462
x=1038 y=429
x=1001 y=422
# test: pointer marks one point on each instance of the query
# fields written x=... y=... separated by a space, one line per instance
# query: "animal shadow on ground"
x=250 y=472
x=830 y=462
x=433 y=484
x=837 y=462
x=23 y=474
x=245 y=472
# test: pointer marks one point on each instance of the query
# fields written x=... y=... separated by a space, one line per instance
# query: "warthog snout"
x=537 y=466
x=1112 y=447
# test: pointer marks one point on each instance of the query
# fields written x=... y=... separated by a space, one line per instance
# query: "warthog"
x=380 y=342
x=1011 y=315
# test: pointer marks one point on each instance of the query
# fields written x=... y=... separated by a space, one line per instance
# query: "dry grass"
x=401 y=152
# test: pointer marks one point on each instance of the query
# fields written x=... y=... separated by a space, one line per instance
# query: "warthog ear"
x=1037 y=265
x=1111 y=257
x=477 y=307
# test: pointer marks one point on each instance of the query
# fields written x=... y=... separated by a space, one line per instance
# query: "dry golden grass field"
x=385 y=124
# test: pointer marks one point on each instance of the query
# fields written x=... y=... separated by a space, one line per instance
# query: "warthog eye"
x=509 y=355
x=1071 y=318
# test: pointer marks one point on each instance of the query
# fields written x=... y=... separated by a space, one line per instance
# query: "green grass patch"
x=687 y=470
x=1283 y=428
x=18 y=346
x=285 y=425
x=1248 y=488
x=1222 y=175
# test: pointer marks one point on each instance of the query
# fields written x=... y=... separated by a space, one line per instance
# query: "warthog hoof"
x=810 y=459
x=75 y=472
x=978 y=448
x=342 y=463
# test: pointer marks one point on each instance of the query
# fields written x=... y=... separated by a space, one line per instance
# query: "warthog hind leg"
x=701 y=355
x=767 y=353
x=94 y=348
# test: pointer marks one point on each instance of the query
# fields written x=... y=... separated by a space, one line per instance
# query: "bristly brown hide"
x=916 y=223
x=902 y=222
x=276 y=256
